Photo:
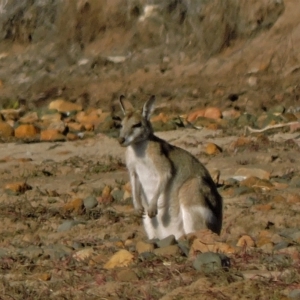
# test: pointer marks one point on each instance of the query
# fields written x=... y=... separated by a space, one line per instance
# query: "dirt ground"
x=41 y=261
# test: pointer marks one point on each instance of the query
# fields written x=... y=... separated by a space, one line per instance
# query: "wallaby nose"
x=121 y=140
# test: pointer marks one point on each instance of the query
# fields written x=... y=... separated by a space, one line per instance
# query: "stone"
x=17 y=187
x=90 y=202
x=184 y=247
x=32 y=252
x=29 y=118
x=83 y=254
x=122 y=258
x=193 y=116
x=52 y=135
x=167 y=241
x=73 y=126
x=212 y=149
x=75 y=205
x=294 y=294
x=106 y=197
x=295 y=182
x=60 y=126
x=245 y=241
x=6 y=130
x=127 y=276
x=249 y=172
x=50 y=118
x=246 y=120
x=43 y=276
x=277 y=110
x=67 y=225
x=26 y=131
x=167 y=251
x=207 y=262
x=212 y=113
x=231 y=114
x=72 y=136
x=256 y=182
x=160 y=118
x=62 y=105
x=142 y=247
x=117 y=194
x=57 y=251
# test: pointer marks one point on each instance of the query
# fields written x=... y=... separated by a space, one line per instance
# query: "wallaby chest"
x=145 y=169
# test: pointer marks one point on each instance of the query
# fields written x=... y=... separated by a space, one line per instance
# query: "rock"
x=83 y=254
x=57 y=251
x=249 y=172
x=167 y=251
x=160 y=118
x=246 y=120
x=142 y=247
x=231 y=114
x=277 y=110
x=295 y=182
x=184 y=247
x=212 y=149
x=90 y=202
x=52 y=135
x=32 y=252
x=6 y=130
x=127 y=276
x=146 y=256
x=12 y=114
x=75 y=205
x=252 y=81
x=207 y=262
x=294 y=294
x=122 y=258
x=67 y=225
x=245 y=241
x=106 y=197
x=73 y=126
x=117 y=194
x=168 y=241
x=18 y=187
x=256 y=182
x=50 y=118
x=62 y=105
x=212 y=113
x=26 y=131
x=29 y=118
x=42 y=276
x=72 y=136
x=193 y=116
x=60 y=126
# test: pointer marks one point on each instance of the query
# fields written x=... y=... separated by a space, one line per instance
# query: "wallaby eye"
x=137 y=125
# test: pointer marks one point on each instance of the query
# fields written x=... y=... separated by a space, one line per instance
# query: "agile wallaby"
x=170 y=187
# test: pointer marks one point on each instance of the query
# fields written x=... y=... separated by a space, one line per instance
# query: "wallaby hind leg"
x=196 y=214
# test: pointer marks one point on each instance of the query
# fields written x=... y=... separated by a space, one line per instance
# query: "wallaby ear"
x=148 y=108
x=121 y=99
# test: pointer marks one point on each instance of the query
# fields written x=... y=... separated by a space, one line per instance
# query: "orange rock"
x=161 y=117
x=293 y=198
x=212 y=113
x=51 y=135
x=91 y=118
x=26 y=130
x=265 y=237
x=212 y=149
x=253 y=181
x=248 y=172
x=74 y=126
x=263 y=207
x=122 y=258
x=193 y=116
x=89 y=126
x=213 y=126
x=18 y=187
x=106 y=197
x=62 y=105
x=6 y=130
x=72 y=136
x=75 y=205
x=245 y=241
x=60 y=126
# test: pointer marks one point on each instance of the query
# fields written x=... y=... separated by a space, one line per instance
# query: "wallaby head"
x=136 y=126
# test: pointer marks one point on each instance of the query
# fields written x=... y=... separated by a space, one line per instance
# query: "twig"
x=271 y=127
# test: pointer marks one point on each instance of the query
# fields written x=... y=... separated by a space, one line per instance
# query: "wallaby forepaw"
x=152 y=212
x=140 y=211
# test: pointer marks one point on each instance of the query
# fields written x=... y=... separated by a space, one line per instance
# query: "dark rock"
x=90 y=202
x=168 y=241
x=208 y=262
